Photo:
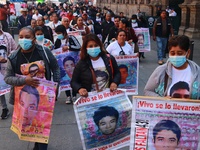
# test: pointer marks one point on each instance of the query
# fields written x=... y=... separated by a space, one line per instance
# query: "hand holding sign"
x=31 y=81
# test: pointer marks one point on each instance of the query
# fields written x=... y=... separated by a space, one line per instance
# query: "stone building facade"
x=190 y=12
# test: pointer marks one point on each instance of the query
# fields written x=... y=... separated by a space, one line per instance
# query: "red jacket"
x=3 y=14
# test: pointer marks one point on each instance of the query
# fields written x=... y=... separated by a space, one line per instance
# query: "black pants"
x=68 y=93
x=40 y=146
x=4 y=25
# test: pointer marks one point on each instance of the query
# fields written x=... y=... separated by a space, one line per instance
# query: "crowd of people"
x=45 y=27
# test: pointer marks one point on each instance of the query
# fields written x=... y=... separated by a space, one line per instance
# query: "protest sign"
x=129 y=69
x=33 y=111
x=4 y=88
x=104 y=120
x=143 y=35
x=77 y=34
x=159 y=124
x=34 y=69
x=66 y=62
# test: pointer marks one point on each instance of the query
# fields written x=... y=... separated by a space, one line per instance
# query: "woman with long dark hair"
x=94 y=59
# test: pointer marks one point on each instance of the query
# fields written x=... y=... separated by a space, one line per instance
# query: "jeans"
x=3 y=101
x=40 y=146
x=161 y=46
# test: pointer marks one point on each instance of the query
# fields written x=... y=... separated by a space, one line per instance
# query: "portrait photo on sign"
x=34 y=69
x=172 y=125
x=105 y=123
x=129 y=70
x=67 y=62
x=33 y=111
x=143 y=36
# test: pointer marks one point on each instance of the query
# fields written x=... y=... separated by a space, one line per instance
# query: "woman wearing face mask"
x=39 y=34
x=29 y=52
x=134 y=21
x=177 y=69
x=94 y=59
x=68 y=43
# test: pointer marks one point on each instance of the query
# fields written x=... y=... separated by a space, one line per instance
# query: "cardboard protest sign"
x=77 y=34
x=104 y=120
x=33 y=111
x=129 y=69
x=66 y=62
x=4 y=88
x=162 y=124
x=143 y=36
x=34 y=69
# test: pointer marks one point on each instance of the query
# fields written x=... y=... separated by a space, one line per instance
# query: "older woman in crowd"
x=120 y=46
x=81 y=26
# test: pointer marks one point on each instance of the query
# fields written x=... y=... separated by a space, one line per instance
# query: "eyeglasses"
x=121 y=52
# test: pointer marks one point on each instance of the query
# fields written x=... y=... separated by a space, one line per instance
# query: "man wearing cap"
x=88 y=22
x=74 y=20
x=25 y=19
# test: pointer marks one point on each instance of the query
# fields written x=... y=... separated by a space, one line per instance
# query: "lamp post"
x=127 y=11
x=117 y=5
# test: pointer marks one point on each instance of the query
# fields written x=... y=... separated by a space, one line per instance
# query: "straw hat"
x=23 y=9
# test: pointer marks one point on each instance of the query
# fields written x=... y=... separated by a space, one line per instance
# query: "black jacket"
x=23 y=22
x=48 y=33
x=106 y=28
x=159 y=28
x=82 y=75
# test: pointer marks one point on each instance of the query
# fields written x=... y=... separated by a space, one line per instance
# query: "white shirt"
x=102 y=76
x=54 y=25
x=114 y=48
x=180 y=75
x=36 y=16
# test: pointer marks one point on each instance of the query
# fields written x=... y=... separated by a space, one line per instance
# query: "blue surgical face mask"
x=93 y=52
x=25 y=44
x=177 y=61
x=133 y=21
x=46 y=21
x=40 y=37
x=60 y=36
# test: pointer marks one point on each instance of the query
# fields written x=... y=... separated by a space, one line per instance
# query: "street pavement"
x=64 y=131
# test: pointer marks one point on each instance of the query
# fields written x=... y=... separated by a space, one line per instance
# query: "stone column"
x=185 y=18
x=194 y=24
